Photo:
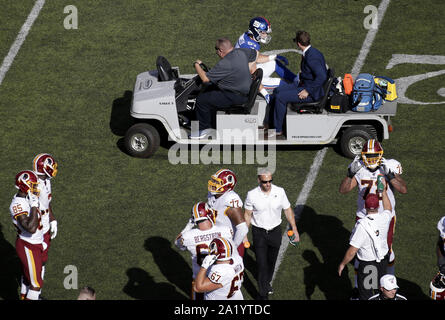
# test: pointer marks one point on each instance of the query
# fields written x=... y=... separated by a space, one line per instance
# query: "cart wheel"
x=142 y=140
x=353 y=140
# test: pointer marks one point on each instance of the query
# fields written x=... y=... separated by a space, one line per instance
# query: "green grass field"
x=65 y=94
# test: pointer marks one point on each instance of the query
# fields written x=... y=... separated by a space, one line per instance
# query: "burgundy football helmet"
x=27 y=181
x=222 y=248
x=45 y=164
x=372 y=153
x=201 y=212
x=222 y=181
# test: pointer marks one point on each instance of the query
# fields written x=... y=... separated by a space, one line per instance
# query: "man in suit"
x=306 y=87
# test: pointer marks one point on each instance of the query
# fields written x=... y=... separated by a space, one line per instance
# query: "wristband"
x=350 y=174
x=391 y=175
x=272 y=57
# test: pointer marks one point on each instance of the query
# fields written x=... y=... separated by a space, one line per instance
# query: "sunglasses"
x=268 y=181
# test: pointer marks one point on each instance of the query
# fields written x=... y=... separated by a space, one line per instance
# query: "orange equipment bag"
x=348 y=83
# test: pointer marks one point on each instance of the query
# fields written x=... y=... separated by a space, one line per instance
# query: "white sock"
x=33 y=295
x=264 y=92
x=23 y=287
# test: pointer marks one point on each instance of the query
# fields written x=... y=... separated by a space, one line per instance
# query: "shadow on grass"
x=331 y=239
x=178 y=273
x=120 y=119
x=172 y=265
x=141 y=286
x=250 y=265
x=410 y=290
x=10 y=270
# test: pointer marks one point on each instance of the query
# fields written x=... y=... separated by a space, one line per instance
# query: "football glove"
x=267 y=98
x=282 y=59
x=388 y=172
x=53 y=228
x=208 y=261
x=33 y=199
x=354 y=167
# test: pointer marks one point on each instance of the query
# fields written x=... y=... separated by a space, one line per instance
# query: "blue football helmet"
x=260 y=29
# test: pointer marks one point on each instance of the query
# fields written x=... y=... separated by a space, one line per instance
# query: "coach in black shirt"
x=230 y=83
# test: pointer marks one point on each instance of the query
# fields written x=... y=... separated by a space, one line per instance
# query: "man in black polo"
x=230 y=82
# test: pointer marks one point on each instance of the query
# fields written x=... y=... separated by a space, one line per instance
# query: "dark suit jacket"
x=313 y=73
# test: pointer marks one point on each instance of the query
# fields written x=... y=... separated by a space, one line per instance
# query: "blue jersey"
x=245 y=41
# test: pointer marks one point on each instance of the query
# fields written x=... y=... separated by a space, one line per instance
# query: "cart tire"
x=142 y=140
x=353 y=139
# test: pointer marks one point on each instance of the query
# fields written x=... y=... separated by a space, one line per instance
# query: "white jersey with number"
x=20 y=206
x=197 y=242
x=44 y=200
x=370 y=236
x=221 y=204
x=367 y=183
x=231 y=277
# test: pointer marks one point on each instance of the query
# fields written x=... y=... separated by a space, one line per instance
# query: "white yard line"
x=318 y=160
x=301 y=201
x=9 y=59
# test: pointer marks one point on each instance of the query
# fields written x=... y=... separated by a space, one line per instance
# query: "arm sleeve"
x=241 y=231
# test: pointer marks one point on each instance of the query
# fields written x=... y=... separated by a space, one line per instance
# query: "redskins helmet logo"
x=201 y=212
x=45 y=164
x=222 y=181
x=221 y=248
x=27 y=181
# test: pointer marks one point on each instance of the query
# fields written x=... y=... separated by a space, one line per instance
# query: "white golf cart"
x=164 y=100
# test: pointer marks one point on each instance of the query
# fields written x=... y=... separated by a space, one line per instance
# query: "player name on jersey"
x=206 y=237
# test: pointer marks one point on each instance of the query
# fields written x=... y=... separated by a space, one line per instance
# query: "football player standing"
x=363 y=173
x=221 y=274
x=197 y=240
x=259 y=33
x=25 y=215
x=437 y=285
x=45 y=167
x=228 y=205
